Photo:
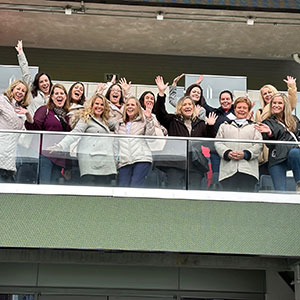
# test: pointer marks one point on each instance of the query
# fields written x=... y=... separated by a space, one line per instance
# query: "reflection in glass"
x=28 y=149
x=94 y=156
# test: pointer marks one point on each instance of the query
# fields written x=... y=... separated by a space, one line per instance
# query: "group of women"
x=242 y=164
x=100 y=159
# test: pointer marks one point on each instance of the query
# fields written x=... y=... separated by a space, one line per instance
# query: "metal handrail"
x=204 y=139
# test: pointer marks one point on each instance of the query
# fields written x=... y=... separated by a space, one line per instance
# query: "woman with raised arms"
x=134 y=154
x=186 y=123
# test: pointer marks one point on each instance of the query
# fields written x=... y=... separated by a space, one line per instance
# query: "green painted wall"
x=142 y=68
x=149 y=225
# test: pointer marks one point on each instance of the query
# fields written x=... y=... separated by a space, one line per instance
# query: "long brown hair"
x=107 y=95
x=50 y=104
x=189 y=90
x=82 y=98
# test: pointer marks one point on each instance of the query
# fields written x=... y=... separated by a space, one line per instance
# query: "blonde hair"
x=287 y=117
x=180 y=104
x=9 y=93
x=267 y=86
x=87 y=112
x=50 y=103
x=139 y=107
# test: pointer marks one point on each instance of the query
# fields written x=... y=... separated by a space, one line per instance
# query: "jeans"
x=49 y=172
x=278 y=172
x=133 y=175
x=215 y=162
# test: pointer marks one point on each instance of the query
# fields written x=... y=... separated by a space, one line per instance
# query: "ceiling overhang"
x=164 y=30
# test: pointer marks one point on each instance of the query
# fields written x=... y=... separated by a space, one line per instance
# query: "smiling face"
x=148 y=99
x=58 y=97
x=277 y=105
x=98 y=108
x=77 y=92
x=241 y=110
x=131 y=109
x=115 y=94
x=195 y=94
x=19 y=92
x=267 y=95
x=44 y=84
x=225 y=101
x=187 y=108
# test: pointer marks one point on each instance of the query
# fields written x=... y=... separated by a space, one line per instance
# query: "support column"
x=297 y=281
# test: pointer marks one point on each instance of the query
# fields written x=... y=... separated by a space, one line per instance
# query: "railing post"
x=187 y=169
x=297 y=281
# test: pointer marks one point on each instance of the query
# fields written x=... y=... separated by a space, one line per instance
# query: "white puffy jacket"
x=132 y=150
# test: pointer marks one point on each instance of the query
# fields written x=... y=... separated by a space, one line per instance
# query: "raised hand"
x=101 y=88
x=176 y=79
x=161 y=85
x=289 y=80
x=211 y=119
x=148 y=110
x=197 y=109
x=21 y=111
x=250 y=115
x=19 y=47
x=113 y=79
x=125 y=86
x=199 y=80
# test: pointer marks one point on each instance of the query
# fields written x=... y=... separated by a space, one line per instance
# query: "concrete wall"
x=142 y=68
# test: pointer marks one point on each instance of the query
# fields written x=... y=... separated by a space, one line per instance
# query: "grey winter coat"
x=133 y=150
x=40 y=99
x=115 y=112
x=95 y=154
x=232 y=131
x=8 y=141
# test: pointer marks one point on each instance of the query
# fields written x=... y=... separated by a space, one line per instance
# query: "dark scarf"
x=61 y=114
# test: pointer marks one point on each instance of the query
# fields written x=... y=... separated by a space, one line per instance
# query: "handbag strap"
x=290 y=132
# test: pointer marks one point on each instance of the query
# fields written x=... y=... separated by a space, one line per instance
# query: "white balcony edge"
x=203 y=195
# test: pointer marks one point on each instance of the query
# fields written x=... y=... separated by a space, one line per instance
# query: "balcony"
x=66 y=214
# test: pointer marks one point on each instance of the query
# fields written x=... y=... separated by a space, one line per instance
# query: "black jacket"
x=278 y=153
x=220 y=112
x=175 y=124
x=174 y=154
